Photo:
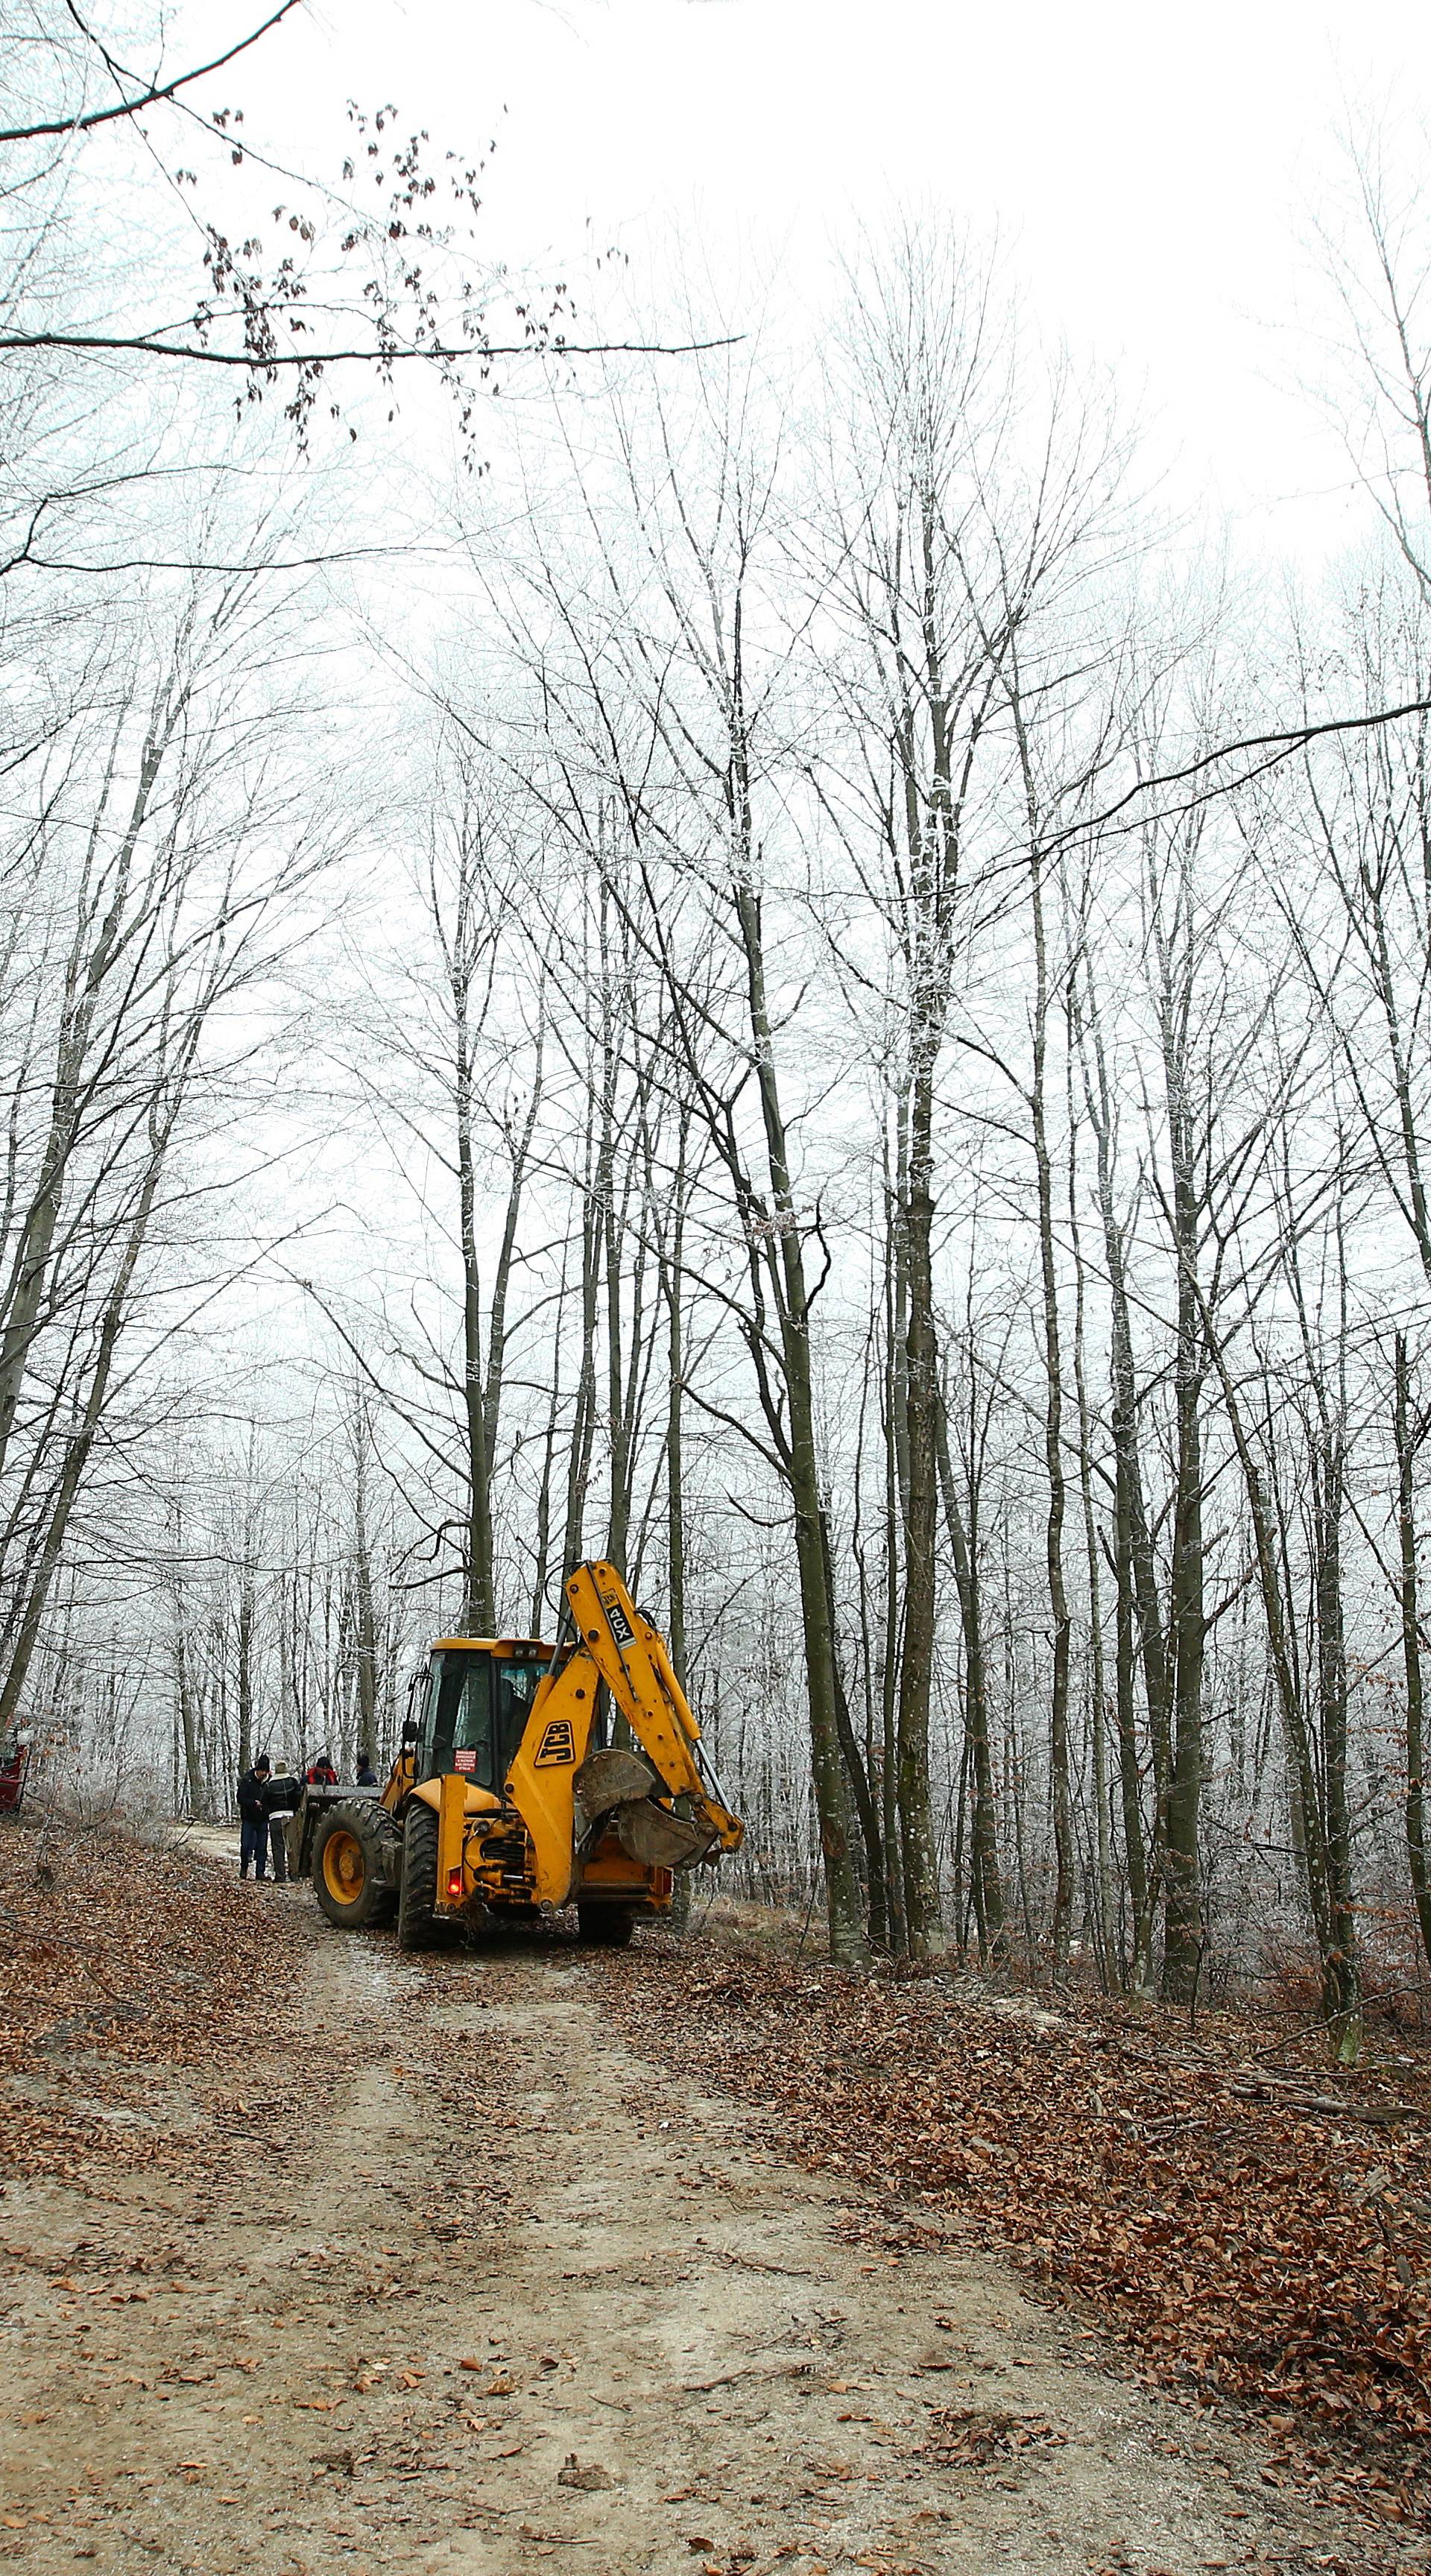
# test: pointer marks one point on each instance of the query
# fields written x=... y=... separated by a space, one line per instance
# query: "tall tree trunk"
x=846 y=1927
x=100 y=946
x=672 y=1283
x=366 y=1640
x=1329 y=1506
x=1183 y=1925
x=186 y=1711
x=479 y=1608
x=80 y=1445
x=1059 y=1613
x=1140 y=1904
x=1344 y=2035
x=583 y=1433
x=1102 y=1877
x=1133 y=1567
x=1407 y=1439
x=618 y=1514
x=860 y=1787
x=541 y=1554
x=896 y=1491
x=520 y=1146
x=921 y=1867
x=244 y=1643
x=672 y=1280
x=984 y=1839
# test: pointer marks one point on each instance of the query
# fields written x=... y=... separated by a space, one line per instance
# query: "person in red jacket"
x=321 y=1774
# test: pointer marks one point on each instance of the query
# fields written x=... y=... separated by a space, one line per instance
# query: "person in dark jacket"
x=367 y=1776
x=253 y=1821
x=280 y=1803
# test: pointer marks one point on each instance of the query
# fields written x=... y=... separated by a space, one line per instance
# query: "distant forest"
x=637 y=939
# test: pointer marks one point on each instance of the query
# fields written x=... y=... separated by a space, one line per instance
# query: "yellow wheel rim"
x=344 y=1867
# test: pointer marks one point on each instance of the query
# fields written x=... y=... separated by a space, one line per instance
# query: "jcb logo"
x=556 y=1745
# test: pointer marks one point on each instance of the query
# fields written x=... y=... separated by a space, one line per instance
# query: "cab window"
x=477 y=1707
x=458 y=1718
x=516 y=1687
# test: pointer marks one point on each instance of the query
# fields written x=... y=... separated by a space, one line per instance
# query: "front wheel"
x=417 y=1898
x=348 y=1877
x=605 y=1927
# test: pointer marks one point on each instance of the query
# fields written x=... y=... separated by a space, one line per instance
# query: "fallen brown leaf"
x=1270 y=2252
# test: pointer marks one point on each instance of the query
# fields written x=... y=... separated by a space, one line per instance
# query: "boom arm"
x=617 y=1646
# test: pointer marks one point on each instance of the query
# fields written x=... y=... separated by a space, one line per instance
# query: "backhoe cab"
x=508 y=1796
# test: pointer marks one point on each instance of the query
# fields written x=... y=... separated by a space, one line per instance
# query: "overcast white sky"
x=1154 y=168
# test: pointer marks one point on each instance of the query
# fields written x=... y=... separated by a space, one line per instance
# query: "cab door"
x=456 y=1732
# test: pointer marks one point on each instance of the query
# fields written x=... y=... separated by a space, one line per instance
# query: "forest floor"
x=319 y=2257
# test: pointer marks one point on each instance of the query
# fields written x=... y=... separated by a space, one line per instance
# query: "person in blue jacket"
x=253 y=1819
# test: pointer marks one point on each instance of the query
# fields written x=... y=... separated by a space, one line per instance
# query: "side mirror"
x=409 y=1733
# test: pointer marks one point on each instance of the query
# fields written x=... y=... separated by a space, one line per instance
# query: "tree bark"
x=479 y=1607
x=1328 y=1510
x=1183 y=1926
x=916 y=1822
x=1059 y=1613
x=984 y=1840
x=846 y=1926
x=1407 y=1438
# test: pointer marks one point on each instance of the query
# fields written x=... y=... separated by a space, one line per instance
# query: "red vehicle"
x=14 y=1763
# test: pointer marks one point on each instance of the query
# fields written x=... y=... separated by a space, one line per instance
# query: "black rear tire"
x=348 y=1879
x=605 y=1927
x=417 y=1926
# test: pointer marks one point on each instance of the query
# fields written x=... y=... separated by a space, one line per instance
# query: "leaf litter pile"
x=1250 y=2227
x=125 y=1964
x=970 y=2437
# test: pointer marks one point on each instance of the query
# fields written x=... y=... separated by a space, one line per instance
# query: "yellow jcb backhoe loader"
x=507 y=1798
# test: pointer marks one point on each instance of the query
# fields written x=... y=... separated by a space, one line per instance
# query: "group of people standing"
x=268 y=1802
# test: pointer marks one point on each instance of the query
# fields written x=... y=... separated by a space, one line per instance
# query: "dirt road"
x=458 y=2282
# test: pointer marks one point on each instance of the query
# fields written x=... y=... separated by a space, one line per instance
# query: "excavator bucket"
x=658 y=1840
x=618 y=1784
x=611 y=1778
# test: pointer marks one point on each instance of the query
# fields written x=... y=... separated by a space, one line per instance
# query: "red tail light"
x=454 y=1883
